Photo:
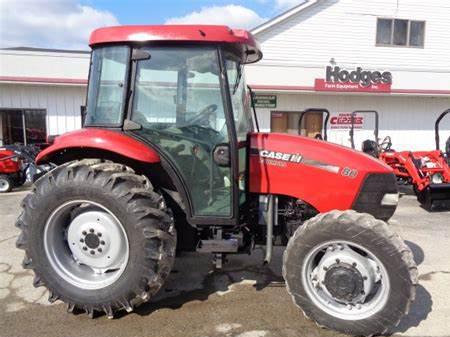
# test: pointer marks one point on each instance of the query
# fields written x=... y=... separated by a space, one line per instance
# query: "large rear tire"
x=97 y=236
x=349 y=272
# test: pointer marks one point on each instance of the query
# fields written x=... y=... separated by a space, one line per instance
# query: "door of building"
x=22 y=126
x=279 y=122
x=312 y=125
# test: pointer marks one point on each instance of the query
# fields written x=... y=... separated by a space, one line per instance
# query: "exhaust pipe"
x=269 y=235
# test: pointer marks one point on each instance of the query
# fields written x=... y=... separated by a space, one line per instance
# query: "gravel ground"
x=245 y=299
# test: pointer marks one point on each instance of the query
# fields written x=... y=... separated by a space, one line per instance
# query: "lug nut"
x=358 y=306
x=81 y=240
x=91 y=230
x=325 y=268
x=99 y=234
x=338 y=261
x=99 y=250
x=354 y=264
x=102 y=242
x=349 y=307
x=84 y=248
x=363 y=292
x=365 y=278
x=92 y=252
x=84 y=232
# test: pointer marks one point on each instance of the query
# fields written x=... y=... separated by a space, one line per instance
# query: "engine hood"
x=326 y=175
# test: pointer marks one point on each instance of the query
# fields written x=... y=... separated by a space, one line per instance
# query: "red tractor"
x=11 y=173
x=427 y=171
x=169 y=157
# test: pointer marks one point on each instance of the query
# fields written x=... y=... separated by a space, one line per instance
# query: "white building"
x=404 y=44
x=412 y=45
x=42 y=90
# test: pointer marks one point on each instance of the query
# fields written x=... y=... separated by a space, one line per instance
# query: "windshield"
x=179 y=88
x=240 y=98
x=106 y=94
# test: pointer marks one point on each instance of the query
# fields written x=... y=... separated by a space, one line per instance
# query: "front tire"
x=6 y=183
x=97 y=236
x=349 y=272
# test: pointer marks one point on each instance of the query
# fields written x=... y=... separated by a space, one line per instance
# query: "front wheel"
x=6 y=183
x=349 y=272
x=97 y=236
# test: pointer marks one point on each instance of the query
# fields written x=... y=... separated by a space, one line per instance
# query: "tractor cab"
x=186 y=97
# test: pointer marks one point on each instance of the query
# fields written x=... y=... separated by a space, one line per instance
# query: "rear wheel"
x=6 y=183
x=97 y=236
x=347 y=271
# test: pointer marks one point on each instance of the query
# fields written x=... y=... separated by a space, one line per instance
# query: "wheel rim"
x=345 y=280
x=86 y=244
x=4 y=185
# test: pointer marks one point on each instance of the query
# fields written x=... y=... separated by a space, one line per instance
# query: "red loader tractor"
x=427 y=171
x=169 y=158
x=11 y=172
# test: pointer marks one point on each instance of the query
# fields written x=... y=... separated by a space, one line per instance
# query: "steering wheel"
x=202 y=118
x=386 y=144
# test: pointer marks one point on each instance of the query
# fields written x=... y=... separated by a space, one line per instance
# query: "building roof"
x=47 y=50
x=284 y=16
x=180 y=33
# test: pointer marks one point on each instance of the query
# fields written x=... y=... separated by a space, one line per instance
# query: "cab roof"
x=251 y=51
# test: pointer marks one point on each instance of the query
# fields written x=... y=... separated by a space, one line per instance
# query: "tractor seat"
x=370 y=147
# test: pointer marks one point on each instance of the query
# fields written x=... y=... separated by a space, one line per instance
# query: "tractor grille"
x=374 y=188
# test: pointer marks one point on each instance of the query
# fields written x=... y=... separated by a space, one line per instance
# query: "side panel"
x=101 y=139
x=325 y=175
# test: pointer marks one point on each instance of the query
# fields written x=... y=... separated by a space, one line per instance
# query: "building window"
x=19 y=126
x=399 y=32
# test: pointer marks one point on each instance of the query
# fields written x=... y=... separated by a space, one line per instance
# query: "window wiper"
x=238 y=79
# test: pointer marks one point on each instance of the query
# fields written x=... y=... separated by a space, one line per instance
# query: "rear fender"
x=91 y=140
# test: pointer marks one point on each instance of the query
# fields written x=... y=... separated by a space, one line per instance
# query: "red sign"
x=322 y=85
x=344 y=121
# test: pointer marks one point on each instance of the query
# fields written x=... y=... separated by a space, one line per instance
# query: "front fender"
x=102 y=140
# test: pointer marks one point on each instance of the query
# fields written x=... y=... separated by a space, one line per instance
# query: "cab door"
x=179 y=100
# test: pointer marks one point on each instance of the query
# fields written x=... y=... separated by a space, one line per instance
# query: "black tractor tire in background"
x=424 y=198
x=366 y=231
x=6 y=183
x=142 y=212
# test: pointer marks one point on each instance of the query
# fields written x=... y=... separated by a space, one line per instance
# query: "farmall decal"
x=357 y=80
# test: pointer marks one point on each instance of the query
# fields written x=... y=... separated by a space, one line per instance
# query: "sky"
x=67 y=24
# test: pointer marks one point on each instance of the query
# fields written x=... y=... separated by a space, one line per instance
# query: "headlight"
x=390 y=199
x=437 y=178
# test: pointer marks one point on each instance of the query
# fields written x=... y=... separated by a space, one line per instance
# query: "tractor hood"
x=325 y=175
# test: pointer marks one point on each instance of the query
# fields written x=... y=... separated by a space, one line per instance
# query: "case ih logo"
x=358 y=80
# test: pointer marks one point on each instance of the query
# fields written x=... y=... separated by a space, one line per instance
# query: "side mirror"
x=221 y=155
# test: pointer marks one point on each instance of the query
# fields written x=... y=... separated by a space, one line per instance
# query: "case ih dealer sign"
x=358 y=80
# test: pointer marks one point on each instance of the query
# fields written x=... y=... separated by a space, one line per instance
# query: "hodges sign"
x=357 y=80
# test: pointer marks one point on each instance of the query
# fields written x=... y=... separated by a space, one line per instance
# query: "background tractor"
x=427 y=171
x=169 y=157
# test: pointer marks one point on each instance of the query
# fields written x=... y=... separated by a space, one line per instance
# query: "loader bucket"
x=439 y=192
